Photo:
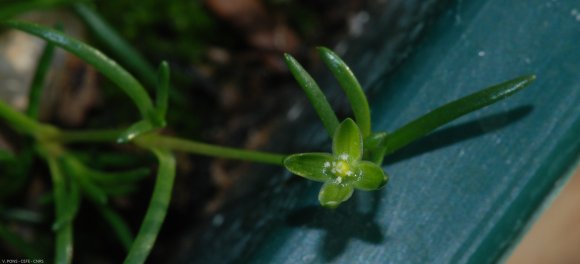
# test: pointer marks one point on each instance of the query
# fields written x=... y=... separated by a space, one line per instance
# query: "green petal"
x=309 y=165
x=333 y=194
x=372 y=177
x=348 y=140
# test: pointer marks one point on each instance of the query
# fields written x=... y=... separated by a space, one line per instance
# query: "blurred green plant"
x=177 y=29
x=355 y=161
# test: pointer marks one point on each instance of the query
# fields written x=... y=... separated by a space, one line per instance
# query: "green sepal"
x=347 y=140
x=333 y=194
x=373 y=177
x=309 y=165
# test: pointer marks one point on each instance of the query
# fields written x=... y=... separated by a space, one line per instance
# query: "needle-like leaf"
x=351 y=87
x=115 y=44
x=100 y=61
x=162 y=96
x=38 y=81
x=314 y=94
x=157 y=209
x=451 y=111
x=63 y=224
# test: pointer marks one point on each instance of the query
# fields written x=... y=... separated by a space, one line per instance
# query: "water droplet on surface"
x=481 y=53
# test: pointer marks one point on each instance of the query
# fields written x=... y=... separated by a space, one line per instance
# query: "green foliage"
x=355 y=161
x=10 y=8
x=178 y=29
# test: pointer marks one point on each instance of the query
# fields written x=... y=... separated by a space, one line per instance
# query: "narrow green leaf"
x=100 y=61
x=38 y=81
x=347 y=141
x=120 y=227
x=72 y=204
x=312 y=166
x=314 y=94
x=64 y=232
x=81 y=173
x=157 y=209
x=451 y=111
x=332 y=194
x=24 y=124
x=351 y=87
x=124 y=52
x=162 y=95
x=373 y=177
x=10 y=9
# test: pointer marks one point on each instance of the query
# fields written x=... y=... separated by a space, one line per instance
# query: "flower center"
x=340 y=169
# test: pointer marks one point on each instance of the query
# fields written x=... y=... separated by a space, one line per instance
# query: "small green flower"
x=341 y=171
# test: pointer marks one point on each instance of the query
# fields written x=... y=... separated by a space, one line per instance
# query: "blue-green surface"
x=464 y=193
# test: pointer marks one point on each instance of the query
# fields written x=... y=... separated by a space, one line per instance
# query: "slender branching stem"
x=156 y=140
x=173 y=143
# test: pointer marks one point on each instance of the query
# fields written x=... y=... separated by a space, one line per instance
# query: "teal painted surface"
x=464 y=193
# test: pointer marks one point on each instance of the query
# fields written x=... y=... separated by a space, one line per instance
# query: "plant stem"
x=25 y=124
x=157 y=209
x=154 y=140
x=166 y=142
x=119 y=226
x=64 y=234
x=108 y=135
